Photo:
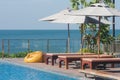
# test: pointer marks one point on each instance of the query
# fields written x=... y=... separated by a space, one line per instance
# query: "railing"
x=113 y=48
x=14 y=46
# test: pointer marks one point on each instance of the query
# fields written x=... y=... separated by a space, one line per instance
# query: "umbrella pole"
x=68 y=46
x=98 y=40
x=114 y=22
x=82 y=39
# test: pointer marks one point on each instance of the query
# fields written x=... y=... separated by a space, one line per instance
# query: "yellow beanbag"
x=34 y=57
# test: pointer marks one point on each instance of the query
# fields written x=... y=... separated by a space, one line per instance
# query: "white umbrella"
x=55 y=16
x=79 y=19
x=62 y=18
x=98 y=9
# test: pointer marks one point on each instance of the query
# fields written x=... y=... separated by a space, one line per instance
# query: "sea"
x=43 y=34
x=38 y=34
x=45 y=40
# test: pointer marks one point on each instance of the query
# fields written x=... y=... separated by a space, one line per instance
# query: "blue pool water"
x=10 y=71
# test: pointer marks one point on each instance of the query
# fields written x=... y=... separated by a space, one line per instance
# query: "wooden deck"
x=113 y=73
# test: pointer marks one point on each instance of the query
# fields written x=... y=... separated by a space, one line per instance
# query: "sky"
x=24 y=14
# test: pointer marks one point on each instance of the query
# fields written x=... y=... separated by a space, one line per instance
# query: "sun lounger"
x=101 y=74
x=68 y=59
x=93 y=62
x=54 y=56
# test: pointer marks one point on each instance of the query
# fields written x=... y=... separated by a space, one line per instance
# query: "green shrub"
x=14 y=55
x=86 y=50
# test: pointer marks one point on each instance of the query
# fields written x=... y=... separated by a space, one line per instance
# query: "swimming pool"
x=10 y=71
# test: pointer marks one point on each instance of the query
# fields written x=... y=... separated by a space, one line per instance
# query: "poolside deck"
x=72 y=71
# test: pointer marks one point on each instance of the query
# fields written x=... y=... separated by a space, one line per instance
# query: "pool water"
x=10 y=71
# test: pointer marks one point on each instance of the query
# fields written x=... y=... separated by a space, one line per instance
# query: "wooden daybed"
x=93 y=62
x=101 y=74
x=68 y=59
x=54 y=56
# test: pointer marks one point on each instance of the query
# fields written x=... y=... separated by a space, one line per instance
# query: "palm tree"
x=75 y=4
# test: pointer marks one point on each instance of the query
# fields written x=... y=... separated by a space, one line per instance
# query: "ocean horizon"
x=43 y=34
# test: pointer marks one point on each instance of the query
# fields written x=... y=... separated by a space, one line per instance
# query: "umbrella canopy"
x=56 y=16
x=61 y=17
x=98 y=9
x=80 y=19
